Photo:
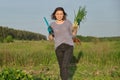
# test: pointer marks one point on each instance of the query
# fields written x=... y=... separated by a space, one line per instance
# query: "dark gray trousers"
x=64 y=54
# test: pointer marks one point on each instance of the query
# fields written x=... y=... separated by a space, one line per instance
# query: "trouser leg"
x=60 y=55
x=66 y=62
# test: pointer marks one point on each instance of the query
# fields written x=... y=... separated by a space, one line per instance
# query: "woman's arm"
x=74 y=31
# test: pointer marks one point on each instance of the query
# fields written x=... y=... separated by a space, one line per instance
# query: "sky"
x=102 y=19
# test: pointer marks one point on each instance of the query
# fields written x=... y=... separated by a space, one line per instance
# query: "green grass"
x=95 y=61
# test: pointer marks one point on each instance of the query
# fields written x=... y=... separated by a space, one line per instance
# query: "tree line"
x=91 y=38
x=6 y=32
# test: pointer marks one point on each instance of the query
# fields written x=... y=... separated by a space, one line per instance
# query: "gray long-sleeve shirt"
x=62 y=33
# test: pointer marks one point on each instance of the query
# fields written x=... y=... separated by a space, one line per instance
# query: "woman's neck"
x=59 y=21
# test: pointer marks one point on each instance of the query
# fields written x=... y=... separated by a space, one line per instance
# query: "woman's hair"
x=58 y=9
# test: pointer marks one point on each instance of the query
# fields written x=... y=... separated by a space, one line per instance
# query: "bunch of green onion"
x=79 y=17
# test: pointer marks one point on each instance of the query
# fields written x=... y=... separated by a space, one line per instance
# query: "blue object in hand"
x=49 y=27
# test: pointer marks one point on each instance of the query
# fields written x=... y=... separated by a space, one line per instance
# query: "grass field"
x=91 y=61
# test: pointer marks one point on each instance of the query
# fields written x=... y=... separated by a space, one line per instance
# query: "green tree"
x=8 y=39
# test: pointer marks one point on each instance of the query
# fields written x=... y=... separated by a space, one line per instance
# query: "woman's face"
x=59 y=15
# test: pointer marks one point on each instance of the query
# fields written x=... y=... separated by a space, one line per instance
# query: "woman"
x=63 y=34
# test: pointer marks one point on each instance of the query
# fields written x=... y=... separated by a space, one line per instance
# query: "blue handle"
x=46 y=22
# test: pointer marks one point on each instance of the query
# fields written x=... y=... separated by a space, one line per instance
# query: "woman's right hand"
x=50 y=37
